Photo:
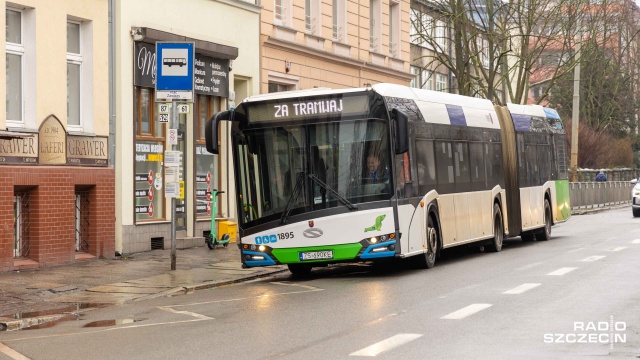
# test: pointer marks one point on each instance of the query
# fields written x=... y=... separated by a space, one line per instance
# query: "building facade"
x=225 y=69
x=56 y=188
x=333 y=43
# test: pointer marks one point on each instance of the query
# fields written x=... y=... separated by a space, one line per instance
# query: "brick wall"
x=52 y=211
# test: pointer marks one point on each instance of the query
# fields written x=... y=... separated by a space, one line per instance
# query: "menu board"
x=149 y=191
x=206 y=180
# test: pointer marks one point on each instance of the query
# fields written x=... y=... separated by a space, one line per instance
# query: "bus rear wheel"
x=544 y=234
x=428 y=259
x=300 y=269
x=498 y=232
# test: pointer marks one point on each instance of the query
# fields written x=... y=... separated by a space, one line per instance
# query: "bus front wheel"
x=299 y=269
x=545 y=233
x=428 y=259
x=498 y=233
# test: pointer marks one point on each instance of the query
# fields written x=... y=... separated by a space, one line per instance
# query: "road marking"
x=467 y=311
x=196 y=315
x=636 y=241
x=520 y=289
x=618 y=248
x=386 y=345
x=529 y=266
x=309 y=289
x=562 y=271
x=12 y=353
x=594 y=258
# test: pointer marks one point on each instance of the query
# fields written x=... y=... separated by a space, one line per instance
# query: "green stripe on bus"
x=340 y=252
x=562 y=199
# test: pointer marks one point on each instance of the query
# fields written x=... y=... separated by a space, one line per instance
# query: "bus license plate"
x=316 y=255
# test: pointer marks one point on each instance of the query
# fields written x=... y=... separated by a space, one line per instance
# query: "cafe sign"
x=52 y=142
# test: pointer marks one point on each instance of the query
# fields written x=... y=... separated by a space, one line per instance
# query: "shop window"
x=149 y=154
x=207 y=164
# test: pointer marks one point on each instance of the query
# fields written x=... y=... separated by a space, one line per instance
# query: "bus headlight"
x=262 y=248
x=373 y=240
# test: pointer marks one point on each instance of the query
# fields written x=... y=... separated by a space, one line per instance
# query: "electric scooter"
x=212 y=240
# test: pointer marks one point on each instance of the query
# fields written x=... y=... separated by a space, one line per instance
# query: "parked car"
x=635 y=198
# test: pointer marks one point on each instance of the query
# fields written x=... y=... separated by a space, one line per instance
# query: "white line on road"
x=618 y=248
x=562 y=271
x=520 y=289
x=196 y=315
x=594 y=258
x=12 y=353
x=636 y=241
x=467 y=311
x=386 y=345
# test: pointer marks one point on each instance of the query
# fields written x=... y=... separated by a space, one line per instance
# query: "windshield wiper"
x=333 y=192
x=293 y=198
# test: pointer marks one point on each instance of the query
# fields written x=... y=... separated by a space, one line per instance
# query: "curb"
x=586 y=211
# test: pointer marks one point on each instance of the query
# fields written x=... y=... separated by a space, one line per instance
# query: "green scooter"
x=212 y=240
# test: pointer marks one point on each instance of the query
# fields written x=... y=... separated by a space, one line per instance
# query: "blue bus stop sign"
x=174 y=70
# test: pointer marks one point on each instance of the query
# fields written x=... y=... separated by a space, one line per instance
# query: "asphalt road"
x=575 y=296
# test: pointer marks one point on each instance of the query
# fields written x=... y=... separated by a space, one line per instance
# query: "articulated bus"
x=326 y=176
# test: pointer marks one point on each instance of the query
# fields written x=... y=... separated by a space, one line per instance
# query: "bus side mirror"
x=402 y=133
x=211 y=130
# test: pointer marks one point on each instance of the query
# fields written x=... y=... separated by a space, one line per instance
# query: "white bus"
x=326 y=176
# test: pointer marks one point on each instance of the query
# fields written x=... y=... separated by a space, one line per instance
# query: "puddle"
x=105 y=323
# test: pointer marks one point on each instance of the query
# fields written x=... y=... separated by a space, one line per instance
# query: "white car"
x=635 y=198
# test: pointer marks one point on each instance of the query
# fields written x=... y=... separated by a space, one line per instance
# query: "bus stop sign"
x=174 y=70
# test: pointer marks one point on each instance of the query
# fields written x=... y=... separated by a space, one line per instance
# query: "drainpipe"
x=112 y=91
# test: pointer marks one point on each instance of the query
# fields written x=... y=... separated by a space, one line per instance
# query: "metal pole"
x=576 y=108
x=174 y=125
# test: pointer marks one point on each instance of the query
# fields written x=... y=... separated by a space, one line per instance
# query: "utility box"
x=228 y=227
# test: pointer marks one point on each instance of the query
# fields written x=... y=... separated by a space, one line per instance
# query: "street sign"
x=174 y=70
x=173 y=136
x=164 y=108
x=183 y=108
x=163 y=118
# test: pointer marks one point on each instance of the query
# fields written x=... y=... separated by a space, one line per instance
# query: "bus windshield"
x=350 y=158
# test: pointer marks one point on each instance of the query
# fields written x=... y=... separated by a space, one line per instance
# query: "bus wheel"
x=428 y=259
x=496 y=244
x=300 y=269
x=545 y=233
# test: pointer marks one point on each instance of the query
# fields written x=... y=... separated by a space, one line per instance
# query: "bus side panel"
x=532 y=207
x=409 y=222
x=562 y=206
x=464 y=204
x=446 y=207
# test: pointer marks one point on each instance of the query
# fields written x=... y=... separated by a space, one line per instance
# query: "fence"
x=621 y=174
x=591 y=195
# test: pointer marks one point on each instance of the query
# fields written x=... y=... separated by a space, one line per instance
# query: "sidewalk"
x=34 y=297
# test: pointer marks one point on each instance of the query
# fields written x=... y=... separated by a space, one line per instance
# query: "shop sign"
x=87 y=150
x=52 y=142
x=19 y=151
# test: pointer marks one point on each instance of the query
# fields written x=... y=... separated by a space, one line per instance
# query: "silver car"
x=635 y=198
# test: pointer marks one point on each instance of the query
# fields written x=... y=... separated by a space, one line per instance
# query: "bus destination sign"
x=308 y=108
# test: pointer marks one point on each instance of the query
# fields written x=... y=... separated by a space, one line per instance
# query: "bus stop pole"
x=174 y=125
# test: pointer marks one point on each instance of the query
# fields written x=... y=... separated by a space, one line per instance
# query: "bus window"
x=461 y=166
x=426 y=166
x=476 y=159
x=444 y=167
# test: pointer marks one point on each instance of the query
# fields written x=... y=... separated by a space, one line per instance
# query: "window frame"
x=284 y=16
x=339 y=26
x=441 y=82
x=77 y=59
x=19 y=50
x=375 y=25
x=394 y=28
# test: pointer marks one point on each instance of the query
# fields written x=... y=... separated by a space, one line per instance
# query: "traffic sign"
x=174 y=70
x=173 y=136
